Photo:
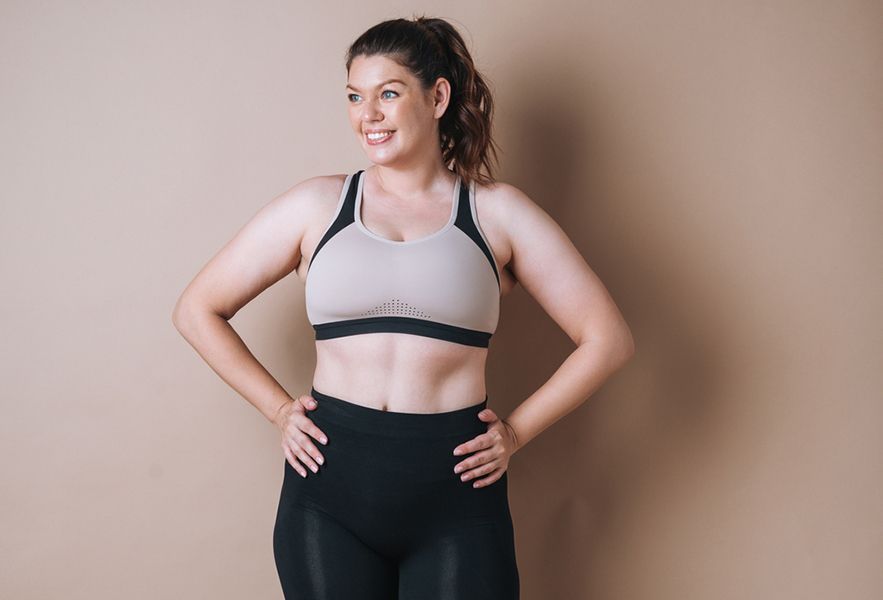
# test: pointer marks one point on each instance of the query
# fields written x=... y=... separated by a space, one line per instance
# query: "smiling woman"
x=396 y=81
x=419 y=531
x=404 y=263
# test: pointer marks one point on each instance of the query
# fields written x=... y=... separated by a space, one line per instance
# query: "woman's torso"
x=396 y=371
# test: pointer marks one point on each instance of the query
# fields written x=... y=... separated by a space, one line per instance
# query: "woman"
x=404 y=264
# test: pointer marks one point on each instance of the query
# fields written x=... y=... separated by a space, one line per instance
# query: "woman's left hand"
x=496 y=446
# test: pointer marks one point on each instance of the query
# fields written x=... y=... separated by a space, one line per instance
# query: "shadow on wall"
x=561 y=148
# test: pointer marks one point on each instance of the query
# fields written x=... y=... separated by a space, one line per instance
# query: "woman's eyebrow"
x=350 y=87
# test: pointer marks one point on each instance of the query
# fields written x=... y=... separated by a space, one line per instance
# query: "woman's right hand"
x=296 y=430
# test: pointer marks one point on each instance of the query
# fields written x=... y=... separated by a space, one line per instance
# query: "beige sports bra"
x=445 y=285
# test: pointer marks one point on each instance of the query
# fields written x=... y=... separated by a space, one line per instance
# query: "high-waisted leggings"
x=386 y=517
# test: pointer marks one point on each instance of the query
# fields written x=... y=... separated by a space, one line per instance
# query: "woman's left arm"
x=551 y=269
x=554 y=273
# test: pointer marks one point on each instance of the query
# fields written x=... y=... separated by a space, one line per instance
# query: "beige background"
x=717 y=163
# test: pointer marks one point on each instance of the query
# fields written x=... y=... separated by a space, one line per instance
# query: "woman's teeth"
x=379 y=137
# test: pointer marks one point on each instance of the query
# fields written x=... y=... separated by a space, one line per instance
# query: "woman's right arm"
x=261 y=253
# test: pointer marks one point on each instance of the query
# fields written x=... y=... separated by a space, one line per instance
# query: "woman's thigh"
x=475 y=562
x=317 y=558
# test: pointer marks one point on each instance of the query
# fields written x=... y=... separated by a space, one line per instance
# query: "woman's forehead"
x=375 y=70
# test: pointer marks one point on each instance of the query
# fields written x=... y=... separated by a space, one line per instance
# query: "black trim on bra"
x=344 y=217
x=441 y=331
x=467 y=225
x=464 y=221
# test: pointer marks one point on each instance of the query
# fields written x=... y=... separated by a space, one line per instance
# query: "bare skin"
x=406 y=195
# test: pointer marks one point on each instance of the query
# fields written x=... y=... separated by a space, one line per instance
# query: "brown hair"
x=432 y=48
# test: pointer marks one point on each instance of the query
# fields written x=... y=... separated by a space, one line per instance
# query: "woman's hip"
x=390 y=463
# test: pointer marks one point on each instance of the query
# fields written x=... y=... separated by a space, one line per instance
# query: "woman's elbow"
x=623 y=347
x=183 y=313
x=630 y=345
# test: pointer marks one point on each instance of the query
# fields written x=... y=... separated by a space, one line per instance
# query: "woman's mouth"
x=378 y=137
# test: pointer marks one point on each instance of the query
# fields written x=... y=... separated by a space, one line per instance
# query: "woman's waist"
x=409 y=384
x=341 y=412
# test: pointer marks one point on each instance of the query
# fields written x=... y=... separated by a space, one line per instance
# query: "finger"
x=296 y=409
x=317 y=433
x=293 y=461
x=304 y=429
x=487 y=415
x=477 y=472
x=495 y=475
x=310 y=403
x=476 y=460
x=311 y=454
x=484 y=440
x=305 y=458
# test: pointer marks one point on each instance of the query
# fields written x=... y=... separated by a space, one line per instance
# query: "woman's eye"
x=354 y=97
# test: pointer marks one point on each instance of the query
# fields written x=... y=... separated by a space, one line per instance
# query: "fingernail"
x=314 y=469
x=323 y=439
x=456 y=452
x=320 y=460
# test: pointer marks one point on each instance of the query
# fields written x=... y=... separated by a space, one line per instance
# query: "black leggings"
x=386 y=517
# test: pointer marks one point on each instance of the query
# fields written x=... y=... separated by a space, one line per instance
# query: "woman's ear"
x=441 y=96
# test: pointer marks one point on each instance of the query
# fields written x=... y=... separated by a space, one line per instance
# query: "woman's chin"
x=382 y=157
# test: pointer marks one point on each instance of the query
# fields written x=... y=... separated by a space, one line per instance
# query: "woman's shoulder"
x=502 y=202
x=495 y=204
x=510 y=214
x=500 y=192
x=306 y=205
x=317 y=190
x=313 y=197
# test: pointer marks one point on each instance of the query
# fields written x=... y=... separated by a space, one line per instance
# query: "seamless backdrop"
x=717 y=163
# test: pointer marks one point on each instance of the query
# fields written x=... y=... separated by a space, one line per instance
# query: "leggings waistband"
x=396 y=424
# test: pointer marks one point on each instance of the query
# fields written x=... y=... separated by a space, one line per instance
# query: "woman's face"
x=384 y=97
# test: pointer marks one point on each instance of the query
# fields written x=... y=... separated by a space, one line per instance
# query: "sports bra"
x=445 y=285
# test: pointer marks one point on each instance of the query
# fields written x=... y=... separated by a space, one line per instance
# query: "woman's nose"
x=371 y=113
